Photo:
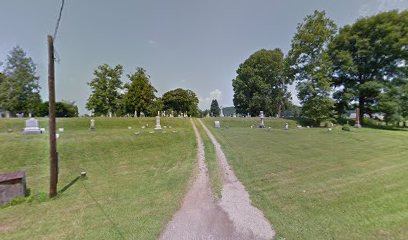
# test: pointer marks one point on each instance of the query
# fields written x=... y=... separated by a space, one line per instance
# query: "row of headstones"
x=32 y=127
x=7 y=114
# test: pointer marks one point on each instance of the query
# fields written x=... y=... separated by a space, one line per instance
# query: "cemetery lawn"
x=316 y=184
x=134 y=183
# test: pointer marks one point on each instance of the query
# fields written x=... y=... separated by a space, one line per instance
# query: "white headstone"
x=158 y=127
x=61 y=129
x=32 y=127
x=217 y=124
x=221 y=113
x=262 y=124
x=92 y=126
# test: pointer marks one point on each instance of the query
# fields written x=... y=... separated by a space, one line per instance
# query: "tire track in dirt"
x=201 y=217
x=248 y=220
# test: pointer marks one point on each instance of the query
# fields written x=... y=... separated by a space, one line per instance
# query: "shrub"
x=346 y=128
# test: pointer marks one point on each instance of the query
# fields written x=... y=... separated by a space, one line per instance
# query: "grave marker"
x=32 y=127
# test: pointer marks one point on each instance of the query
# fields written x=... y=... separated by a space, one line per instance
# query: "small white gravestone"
x=217 y=124
x=286 y=126
x=158 y=127
x=130 y=128
x=143 y=127
x=57 y=136
x=299 y=126
x=32 y=127
x=92 y=126
x=135 y=115
x=222 y=113
x=42 y=129
x=61 y=129
x=262 y=124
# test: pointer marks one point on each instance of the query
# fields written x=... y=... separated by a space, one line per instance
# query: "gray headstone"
x=32 y=127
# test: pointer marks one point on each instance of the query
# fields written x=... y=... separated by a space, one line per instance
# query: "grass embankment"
x=211 y=161
x=316 y=184
x=134 y=185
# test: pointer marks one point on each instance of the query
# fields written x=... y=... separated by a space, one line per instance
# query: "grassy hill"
x=134 y=185
x=320 y=184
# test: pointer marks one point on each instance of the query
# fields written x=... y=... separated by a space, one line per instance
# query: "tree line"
x=20 y=88
x=360 y=65
x=110 y=96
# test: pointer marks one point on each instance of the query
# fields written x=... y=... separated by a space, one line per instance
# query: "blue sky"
x=189 y=44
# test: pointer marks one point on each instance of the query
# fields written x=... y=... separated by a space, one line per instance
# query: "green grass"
x=316 y=184
x=211 y=160
x=134 y=185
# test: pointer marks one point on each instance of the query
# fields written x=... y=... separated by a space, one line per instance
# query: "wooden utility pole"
x=51 y=115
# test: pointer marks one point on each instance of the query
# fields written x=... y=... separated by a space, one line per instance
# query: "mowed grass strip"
x=316 y=184
x=134 y=185
x=211 y=161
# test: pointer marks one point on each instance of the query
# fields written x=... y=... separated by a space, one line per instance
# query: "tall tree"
x=19 y=88
x=105 y=87
x=367 y=56
x=310 y=66
x=214 y=108
x=181 y=101
x=261 y=84
x=140 y=93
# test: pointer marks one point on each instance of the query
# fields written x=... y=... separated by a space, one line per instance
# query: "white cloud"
x=216 y=94
x=205 y=102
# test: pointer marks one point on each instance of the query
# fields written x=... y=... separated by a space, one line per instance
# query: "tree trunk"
x=361 y=104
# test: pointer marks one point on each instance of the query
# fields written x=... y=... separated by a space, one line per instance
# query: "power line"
x=59 y=19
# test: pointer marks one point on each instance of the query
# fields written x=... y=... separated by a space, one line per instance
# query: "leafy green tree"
x=140 y=93
x=157 y=105
x=228 y=111
x=62 y=109
x=368 y=55
x=261 y=84
x=214 y=108
x=181 y=101
x=105 y=87
x=310 y=66
x=404 y=101
x=19 y=87
x=204 y=113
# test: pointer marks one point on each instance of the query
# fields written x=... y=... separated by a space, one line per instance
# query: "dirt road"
x=201 y=217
